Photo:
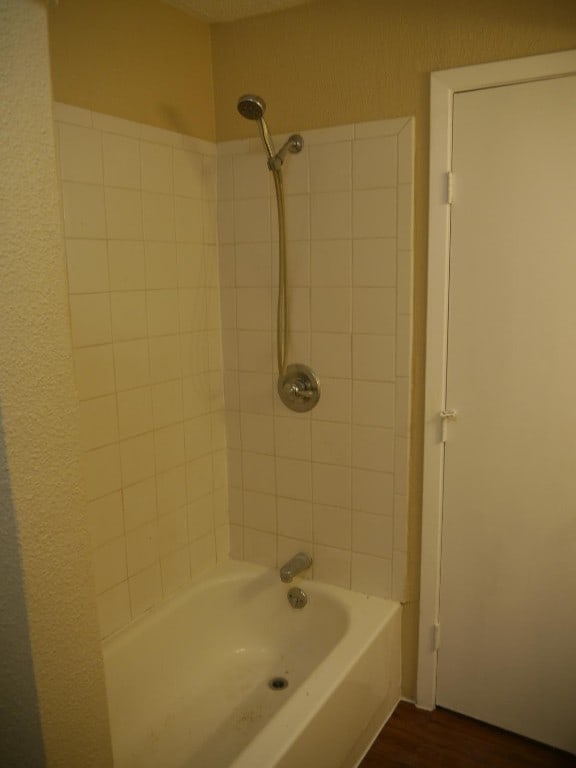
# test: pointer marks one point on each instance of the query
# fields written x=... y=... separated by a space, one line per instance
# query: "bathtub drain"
x=278 y=683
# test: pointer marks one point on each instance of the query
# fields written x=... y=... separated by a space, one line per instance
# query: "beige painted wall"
x=41 y=496
x=336 y=61
x=137 y=59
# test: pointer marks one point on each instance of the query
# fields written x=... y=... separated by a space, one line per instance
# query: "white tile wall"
x=333 y=481
x=142 y=274
x=149 y=323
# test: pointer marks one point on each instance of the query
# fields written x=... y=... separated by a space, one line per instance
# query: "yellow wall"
x=41 y=498
x=338 y=61
x=137 y=59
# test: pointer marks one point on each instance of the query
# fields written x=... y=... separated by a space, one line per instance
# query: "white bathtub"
x=188 y=683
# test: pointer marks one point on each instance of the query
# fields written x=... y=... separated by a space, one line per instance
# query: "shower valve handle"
x=299 y=388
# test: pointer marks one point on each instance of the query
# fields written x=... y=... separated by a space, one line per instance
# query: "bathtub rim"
x=313 y=693
x=225 y=571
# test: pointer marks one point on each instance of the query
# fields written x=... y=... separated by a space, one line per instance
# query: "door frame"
x=443 y=86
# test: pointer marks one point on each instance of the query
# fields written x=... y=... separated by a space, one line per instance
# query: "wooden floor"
x=413 y=738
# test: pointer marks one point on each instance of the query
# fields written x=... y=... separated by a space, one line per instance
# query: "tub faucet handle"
x=300 y=562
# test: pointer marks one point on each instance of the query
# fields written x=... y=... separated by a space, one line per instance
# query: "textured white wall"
x=41 y=481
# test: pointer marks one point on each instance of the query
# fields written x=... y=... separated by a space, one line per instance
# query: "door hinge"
x=449 y=187
x=445 y=417
x=435 y=636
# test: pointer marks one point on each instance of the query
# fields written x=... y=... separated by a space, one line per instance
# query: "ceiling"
x=214 y=11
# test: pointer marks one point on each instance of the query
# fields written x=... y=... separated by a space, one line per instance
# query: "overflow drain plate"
x=277 y=683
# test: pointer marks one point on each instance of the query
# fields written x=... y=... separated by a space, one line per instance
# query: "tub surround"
x=332 y=481
x=140 y=227
x=157 y=285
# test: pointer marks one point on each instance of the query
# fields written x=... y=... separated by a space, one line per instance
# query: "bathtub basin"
x=188 y=684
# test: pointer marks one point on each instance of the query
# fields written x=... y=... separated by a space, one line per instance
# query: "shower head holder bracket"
x=293 y=144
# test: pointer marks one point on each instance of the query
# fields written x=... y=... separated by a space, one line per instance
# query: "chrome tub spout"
x=294 y=566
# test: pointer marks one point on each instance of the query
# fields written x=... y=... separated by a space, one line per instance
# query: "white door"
x=507 y=648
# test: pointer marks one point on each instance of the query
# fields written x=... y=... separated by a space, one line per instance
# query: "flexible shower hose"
x=282 y=307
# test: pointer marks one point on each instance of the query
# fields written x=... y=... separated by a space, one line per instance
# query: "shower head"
x=251 y=107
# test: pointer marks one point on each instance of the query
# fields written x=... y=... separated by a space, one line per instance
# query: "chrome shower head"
x=251 y=107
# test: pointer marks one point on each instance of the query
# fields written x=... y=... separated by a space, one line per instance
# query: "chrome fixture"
x=297 y=597
x=300 y=562
x=253 y=107
x=293 y=144
x=299 y=387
